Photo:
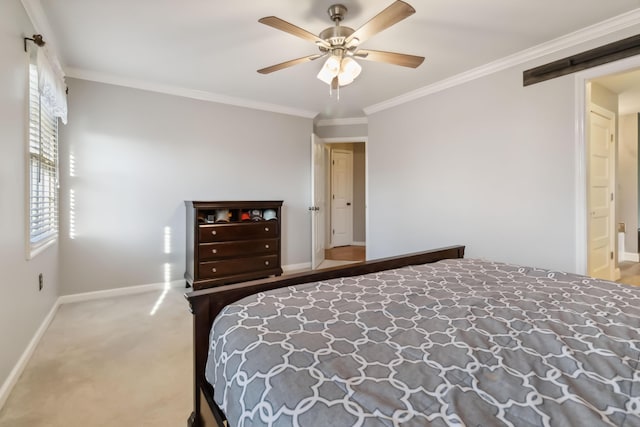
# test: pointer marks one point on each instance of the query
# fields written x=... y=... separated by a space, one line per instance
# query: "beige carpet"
x=109 y=363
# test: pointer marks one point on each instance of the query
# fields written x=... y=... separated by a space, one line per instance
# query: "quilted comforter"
x=457 y=342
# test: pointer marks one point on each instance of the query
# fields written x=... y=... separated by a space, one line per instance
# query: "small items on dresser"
x=229 y=242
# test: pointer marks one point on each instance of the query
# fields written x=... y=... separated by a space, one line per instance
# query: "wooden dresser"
x=229 y=242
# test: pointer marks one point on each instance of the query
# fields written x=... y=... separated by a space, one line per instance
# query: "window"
x=43 y=167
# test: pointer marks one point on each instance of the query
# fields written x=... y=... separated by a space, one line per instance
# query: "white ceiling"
x=622 y=82
x=215 y=47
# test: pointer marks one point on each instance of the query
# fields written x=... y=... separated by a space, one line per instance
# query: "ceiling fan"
x=341 y=44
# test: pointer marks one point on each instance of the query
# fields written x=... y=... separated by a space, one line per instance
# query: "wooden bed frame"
x=207 y=303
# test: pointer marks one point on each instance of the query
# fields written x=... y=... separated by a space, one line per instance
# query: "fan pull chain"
x=337 y=92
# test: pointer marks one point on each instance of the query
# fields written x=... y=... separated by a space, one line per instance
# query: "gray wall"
x=489 y=164
x=22 y=307
x=496 y=174
x=138 y=155
x=628 y=179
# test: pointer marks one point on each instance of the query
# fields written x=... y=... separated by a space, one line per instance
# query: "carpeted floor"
x=109 y=363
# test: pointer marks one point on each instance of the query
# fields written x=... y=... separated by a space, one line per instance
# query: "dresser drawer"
x=215 y=269
x=244 y=231
x=242 y=248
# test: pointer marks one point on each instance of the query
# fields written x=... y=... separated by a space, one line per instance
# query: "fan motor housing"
x=335 y=36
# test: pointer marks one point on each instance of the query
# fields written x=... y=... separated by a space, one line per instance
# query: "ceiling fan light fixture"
x=341 y=44
x=349 y=71
x=330 y=69
x=325 y=75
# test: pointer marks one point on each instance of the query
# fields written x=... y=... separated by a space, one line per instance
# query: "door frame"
x=359 y=140
x=318 y=213
x=581 y=110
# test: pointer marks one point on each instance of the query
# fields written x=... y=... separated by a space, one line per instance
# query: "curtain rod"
x=36 y=38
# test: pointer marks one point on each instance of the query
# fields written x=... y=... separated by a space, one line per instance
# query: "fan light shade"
x=349 y=71
x=346 y=69
x=330 y=69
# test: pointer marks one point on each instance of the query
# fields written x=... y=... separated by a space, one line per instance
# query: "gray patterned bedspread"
x=458 y=342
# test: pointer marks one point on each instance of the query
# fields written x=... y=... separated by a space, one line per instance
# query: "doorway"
x=616 y=88
x=339 y=217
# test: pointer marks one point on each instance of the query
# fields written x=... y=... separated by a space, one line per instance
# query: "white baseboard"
x=296 y=267
x=630 y=256
x=358 y=243
x=116 y=292
x=17 y=370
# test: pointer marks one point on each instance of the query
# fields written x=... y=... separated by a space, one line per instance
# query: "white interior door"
x=600 y=194
x=318 y=202
x=341 y=197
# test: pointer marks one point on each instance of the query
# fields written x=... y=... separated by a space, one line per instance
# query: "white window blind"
x=43 y=166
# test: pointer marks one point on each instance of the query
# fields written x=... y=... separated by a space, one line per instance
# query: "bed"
x=424 y=339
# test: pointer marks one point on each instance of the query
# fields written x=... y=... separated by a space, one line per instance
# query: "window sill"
x=35 y=250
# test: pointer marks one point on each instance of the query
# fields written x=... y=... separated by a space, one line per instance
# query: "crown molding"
x=583 y=35
x=343 y=122
x=201 y=95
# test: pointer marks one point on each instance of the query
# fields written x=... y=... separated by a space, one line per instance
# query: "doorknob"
x=348 y=203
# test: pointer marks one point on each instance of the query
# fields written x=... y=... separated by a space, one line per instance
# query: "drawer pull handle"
x=266 y=246
x=266 y=263
x=215 y=251
x=266 y=229
x=214 y=232
x=213 y=270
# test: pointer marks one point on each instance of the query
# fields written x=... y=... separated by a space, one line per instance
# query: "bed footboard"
x=207 y=303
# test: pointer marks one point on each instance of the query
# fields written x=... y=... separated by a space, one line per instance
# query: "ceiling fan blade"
x=291 y=63
x=403 y=59
x=287 y=27
x=393 y=14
